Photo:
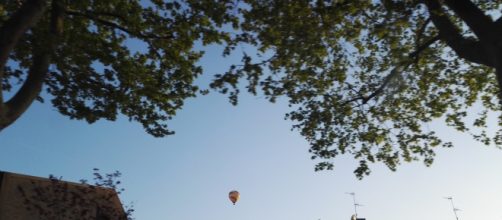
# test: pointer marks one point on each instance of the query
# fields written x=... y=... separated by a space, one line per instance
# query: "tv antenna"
x=353 y=194
x=453 y=206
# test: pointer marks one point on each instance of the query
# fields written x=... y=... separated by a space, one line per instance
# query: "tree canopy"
x=362 y=77
x=94 y=72
x=366 y=77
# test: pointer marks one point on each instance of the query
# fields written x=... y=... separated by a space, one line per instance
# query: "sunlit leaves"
x=363 y=78
x=331 y=58
x=134 y=58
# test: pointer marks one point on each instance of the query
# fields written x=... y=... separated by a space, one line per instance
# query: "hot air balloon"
x=233 y=196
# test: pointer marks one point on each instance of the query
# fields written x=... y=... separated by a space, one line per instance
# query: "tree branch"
x=420 y=33
x=148 y=37
x=108 y=14
x=13 y=29
x=117 y=26
x=468 y=49
x=498 y=24
x=424 y=46
x=394 y=72
x=474 y=17
x=31 y=88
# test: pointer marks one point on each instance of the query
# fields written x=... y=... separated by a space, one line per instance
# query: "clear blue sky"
x=250 y=148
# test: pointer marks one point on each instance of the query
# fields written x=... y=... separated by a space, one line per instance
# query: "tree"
x=83 y=54
x=365 y=77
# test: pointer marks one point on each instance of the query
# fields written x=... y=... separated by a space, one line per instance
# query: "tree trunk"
x=11 y=110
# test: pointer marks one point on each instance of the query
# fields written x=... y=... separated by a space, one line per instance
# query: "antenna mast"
x=453 y=206
x=354 y=200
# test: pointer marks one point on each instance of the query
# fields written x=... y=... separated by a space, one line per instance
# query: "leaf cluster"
x=134 y=58
x=364 y=78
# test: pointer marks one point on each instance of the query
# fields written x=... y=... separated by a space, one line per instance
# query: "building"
x=25 y=197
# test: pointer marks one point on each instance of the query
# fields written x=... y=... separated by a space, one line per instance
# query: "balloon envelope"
x=233 y=196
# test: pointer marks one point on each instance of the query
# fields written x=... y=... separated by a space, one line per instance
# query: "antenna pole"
x=354 y=200
x=453 y=207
